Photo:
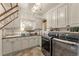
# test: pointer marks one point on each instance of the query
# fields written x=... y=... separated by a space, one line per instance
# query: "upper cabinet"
x=54 y=19
x=74 y=14
x=62 y=16
x=51 y=18
x=57 y=18
x=48 y=18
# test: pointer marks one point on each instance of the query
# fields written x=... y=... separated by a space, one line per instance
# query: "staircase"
x=10 y=14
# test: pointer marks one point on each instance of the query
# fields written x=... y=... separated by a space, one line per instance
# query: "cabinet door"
x=48 y=17
x=74 y=14
x=62 y=12
x=6 y=46
x=54 y=18
x=17 y=44
x=31 y=41
x=35 y=40
x=39 y=40
x=25 y=43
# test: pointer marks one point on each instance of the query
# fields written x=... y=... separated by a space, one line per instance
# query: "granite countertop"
x=18 y=36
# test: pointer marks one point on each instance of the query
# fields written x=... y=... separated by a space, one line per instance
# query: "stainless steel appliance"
x=64 y=48
x=53 y=35
x=46 y=45
x=66 y=45
x=60 y=44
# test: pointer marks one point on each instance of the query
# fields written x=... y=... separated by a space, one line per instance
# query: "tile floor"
x=31 y=52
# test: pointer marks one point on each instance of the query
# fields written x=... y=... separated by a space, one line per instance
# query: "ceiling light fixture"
x=36 y=7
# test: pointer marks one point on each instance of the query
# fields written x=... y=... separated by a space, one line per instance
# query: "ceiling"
x=44 y=7
x=47 y=6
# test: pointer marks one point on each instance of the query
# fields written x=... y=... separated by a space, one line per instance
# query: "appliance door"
x=46 y=46
x=64 y=48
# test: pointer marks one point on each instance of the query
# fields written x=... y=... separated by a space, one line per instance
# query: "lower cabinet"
x=25 y=43
x=6 y=46
x=31 y=42
x=39 y=40
x=17 y=44
x=35 y=43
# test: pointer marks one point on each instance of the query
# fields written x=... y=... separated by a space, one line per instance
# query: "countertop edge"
x=19 y=36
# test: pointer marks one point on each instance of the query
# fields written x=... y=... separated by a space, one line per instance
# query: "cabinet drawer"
x=6 y=46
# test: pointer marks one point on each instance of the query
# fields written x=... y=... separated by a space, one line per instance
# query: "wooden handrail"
x=8 y=23
x=3 y=6
x=9 y=15
x=8 y=10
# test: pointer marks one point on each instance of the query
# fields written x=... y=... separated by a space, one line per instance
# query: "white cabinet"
x=74 y=14
x=54 y=19
x=31 y=42
x=66 y=14
x=62 y=16
x=34 y=41
x=11 y=45
x=35 y=38
x=58 y=17
x=25 y=41
x=6 y=46
x=39 y=41
x=17 y=44
x=48 y=18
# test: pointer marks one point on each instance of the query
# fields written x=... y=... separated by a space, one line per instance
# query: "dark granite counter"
x=9 y=37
